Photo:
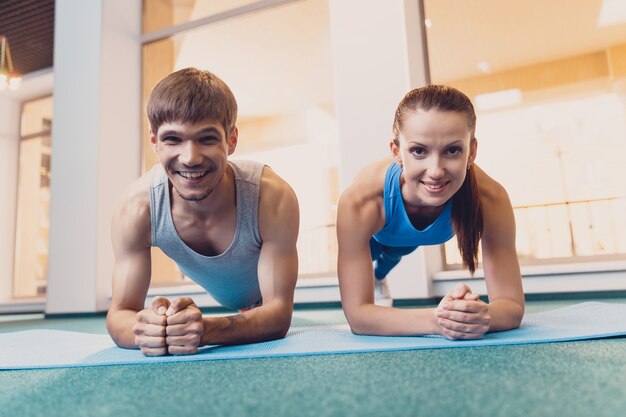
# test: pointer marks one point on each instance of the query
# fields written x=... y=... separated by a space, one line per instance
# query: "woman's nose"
x=436 y=169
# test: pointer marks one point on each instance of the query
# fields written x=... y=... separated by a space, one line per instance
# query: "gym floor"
x=583 y=378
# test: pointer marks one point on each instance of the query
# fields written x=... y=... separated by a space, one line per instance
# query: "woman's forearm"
x=506 y=314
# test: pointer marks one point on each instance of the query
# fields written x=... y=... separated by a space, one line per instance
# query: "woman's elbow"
x=516 y=316
x=356 y=322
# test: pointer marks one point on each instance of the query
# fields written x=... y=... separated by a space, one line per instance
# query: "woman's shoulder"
x=369 y=183
x=362 y=201
x=491 y=192
x=496 y=206
x=498 y=216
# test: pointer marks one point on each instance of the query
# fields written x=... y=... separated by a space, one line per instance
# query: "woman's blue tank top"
x=398 y=230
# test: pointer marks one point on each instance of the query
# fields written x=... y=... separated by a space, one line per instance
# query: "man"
x=229 y=226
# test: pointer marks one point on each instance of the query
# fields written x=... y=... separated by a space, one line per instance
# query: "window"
x=277 y=61
x=551 y=116
x=33 y=200
x=163 y=14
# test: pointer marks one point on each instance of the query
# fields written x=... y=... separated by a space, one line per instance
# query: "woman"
x=429 y=191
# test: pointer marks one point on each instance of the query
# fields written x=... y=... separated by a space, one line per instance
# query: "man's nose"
x=190 y=154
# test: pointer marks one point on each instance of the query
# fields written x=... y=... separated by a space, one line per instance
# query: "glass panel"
x=161 y=14
x=278 y=64
x=33 y=205
x=33 y=200
x=551 y=114
x=36 y=116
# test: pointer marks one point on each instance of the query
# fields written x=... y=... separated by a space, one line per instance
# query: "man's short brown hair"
x=192 y=95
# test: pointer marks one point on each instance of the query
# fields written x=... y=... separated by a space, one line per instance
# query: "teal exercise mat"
x=33 y=349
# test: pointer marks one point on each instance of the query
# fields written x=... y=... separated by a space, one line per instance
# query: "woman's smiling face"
x=435 y=149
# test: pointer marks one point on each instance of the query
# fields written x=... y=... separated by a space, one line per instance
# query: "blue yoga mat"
x=33 y=349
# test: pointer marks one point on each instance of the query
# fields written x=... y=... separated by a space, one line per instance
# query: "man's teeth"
x=192 y=175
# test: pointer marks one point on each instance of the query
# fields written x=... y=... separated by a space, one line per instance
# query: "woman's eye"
x=455 y=150
x=418 y=151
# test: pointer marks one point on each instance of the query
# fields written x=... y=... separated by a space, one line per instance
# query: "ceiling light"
x=484 y=67
x=612 y=12
x=8 y=77
x=499 y=99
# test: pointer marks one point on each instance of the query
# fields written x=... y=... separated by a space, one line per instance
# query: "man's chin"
x=193 y=197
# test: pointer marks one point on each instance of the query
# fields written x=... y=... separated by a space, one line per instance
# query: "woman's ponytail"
x=467 y=219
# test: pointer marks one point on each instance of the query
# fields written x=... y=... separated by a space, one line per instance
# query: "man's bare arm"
x=277 y=271
x=129 y=324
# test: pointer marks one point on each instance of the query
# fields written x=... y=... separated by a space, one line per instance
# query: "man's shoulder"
x=134 y=203
x=276 y=197
x=273 y=185
x=138 y=192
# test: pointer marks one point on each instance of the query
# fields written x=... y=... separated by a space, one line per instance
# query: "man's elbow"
x=112 y=328
x=278 y=331
x=281 y=332
x=281 y=324
x=115 y=327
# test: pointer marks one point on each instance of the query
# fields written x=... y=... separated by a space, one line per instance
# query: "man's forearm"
x=120 y=326
x=267 y=322
x=506 y=314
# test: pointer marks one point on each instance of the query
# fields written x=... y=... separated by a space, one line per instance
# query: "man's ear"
x=153 y=141
x=395 y=151
x=232 y=140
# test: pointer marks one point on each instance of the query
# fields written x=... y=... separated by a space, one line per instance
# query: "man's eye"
x=209 y=139
x=171 y=139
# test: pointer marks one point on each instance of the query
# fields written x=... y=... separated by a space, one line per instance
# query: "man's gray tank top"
x=231 y=277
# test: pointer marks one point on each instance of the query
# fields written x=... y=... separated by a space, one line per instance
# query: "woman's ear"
x=395 y=151
x=473 y=149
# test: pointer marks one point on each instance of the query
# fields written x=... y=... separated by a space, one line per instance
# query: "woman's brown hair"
x=467 y=217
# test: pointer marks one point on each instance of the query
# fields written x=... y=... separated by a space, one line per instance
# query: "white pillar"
x=373 y=69
x=34 y=85
x=377 y=59
x=96 y=143
x=9 y=143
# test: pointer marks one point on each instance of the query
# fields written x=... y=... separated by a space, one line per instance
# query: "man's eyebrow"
x=174 y=132
x=208 y=130
x=169 y=133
